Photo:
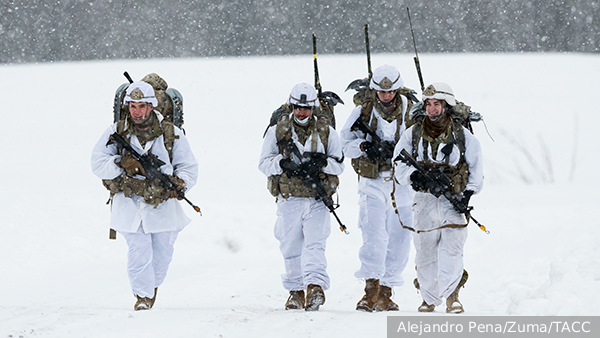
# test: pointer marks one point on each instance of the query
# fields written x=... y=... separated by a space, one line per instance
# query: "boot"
x=315 y=297
x=370 y=297
x=142 y=303
x=295 y=301
x=384 y=301
x=426 y=307
x=453 y=305
x=153 y=299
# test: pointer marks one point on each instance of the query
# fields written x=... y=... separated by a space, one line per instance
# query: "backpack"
x=324 y=112
x=170 y=105
x=170 y=100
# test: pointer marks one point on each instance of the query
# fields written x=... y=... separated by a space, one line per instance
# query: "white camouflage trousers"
x=439 y=261
x=302 y=228
x=148 y=259
x=386 y=245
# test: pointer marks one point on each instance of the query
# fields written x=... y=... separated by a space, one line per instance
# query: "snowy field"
x=60 y=276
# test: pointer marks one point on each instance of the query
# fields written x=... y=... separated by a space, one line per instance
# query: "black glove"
x=289 y=167
x=386 y=150
x=418 y=181
x=319 y=160
x=372 y=152
x=462 y=201
x=314 y=164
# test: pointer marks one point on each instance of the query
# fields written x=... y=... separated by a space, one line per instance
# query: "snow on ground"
x=62 y=277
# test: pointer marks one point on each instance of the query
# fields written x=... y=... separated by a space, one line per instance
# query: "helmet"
x=140 y=92
x=303 y=95
x=386 y=78
x=439 y=91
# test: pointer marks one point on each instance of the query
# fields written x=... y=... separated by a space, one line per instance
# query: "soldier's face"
x=301 y=113
x=386 y=96
x=434 y=109
x=140 y=110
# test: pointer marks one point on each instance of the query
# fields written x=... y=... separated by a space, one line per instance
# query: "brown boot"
x=384 y=301
x=453 y=305
x=370 y=297
x=295 y=301
x=426 y=307
x=315 y=297
x=153 y=299
x=142 y=303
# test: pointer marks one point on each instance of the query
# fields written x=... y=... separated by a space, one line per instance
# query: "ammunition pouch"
x=153 y=192
x=294 y=186
x=114 y=185
x=363 y=166
x=273 y=185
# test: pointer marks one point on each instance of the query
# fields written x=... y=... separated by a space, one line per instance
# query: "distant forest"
x=59 y=30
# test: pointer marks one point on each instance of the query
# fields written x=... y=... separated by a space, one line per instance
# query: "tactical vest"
x=459 y=173
x=363 y=165
x=294 y=186
x=153 y=192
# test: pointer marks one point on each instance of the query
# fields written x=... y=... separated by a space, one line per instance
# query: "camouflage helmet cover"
x=140 y=92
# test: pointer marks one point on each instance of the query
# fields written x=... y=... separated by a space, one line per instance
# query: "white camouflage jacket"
x=128 y=213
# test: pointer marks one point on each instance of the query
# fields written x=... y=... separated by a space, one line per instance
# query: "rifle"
x=416 y=58
x=151 y=164
x=444 y=180
x=361 y=125
x=314 y=182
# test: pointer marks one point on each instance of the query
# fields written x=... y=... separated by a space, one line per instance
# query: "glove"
x=180 y=184
x=462 y=202
x=315 y=164
x=371 y=150
x=132 y=166
x=418 y=181
x=386 y=150
x=289 y=167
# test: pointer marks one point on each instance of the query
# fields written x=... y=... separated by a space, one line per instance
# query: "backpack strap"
x=169 y=137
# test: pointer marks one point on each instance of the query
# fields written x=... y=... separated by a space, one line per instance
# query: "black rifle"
x=361 y=125
x=151 y=164
x=314 y=182
x=416 y=58
x=442 y=179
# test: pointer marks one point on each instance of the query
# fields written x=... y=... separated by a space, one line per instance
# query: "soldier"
x=441 y=145
x=303 y=222
x=144 y=212
x=386 y=245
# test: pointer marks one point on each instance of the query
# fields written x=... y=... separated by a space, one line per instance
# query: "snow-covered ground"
x=60 y=276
